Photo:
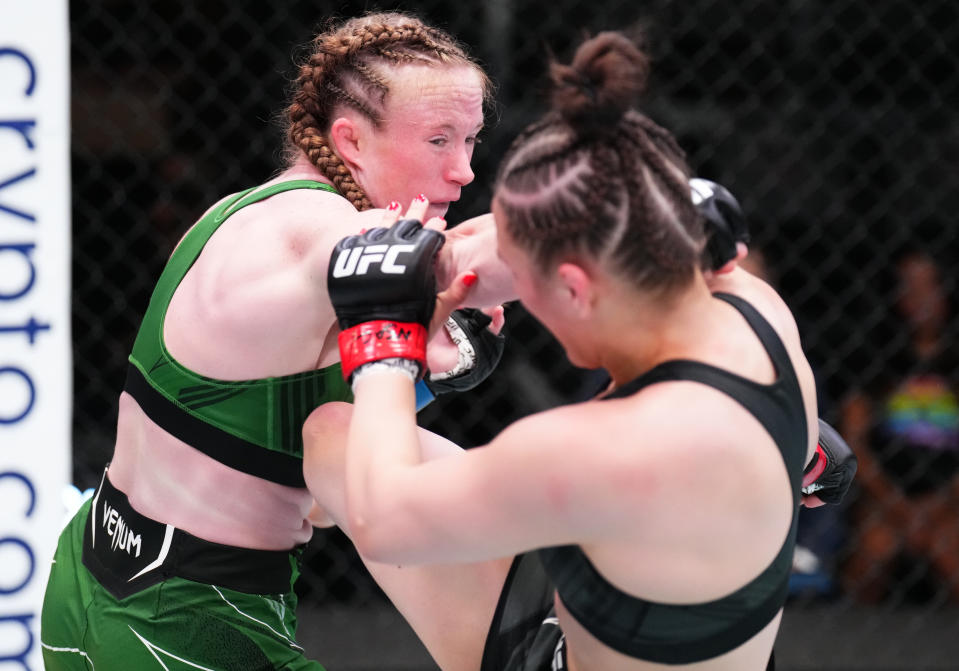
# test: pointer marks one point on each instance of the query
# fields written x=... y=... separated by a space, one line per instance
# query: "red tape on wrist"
x=816 y=468
x=381 y=339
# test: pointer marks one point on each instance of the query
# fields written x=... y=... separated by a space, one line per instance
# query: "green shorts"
x=126 y=592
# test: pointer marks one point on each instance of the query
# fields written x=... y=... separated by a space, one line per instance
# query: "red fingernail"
x=420 y=197
x=393 y=206
x=470 y=279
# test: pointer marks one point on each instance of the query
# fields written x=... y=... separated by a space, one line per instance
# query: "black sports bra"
x=683 y=634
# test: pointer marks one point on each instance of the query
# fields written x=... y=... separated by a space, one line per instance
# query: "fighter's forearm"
x=472 y=246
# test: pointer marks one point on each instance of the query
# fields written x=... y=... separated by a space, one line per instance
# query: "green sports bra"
x=253 y=426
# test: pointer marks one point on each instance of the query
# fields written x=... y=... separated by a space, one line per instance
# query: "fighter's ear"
x=577 y=287
x=346 y=140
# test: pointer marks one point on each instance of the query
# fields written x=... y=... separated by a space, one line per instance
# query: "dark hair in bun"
x=595 y=180
x=606 y=78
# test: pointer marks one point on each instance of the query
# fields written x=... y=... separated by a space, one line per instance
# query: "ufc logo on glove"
x=384 y=307
x=357 y=261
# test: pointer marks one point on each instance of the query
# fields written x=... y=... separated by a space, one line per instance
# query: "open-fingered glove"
x=725 y=223
x=479 y=351
x=832 y=469
x=383 y=288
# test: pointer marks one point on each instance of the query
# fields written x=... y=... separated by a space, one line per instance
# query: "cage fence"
x=834 y=123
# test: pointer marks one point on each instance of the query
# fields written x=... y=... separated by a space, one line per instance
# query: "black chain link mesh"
x=834 y=123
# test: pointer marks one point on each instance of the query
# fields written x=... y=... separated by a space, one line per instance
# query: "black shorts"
x=525 y=634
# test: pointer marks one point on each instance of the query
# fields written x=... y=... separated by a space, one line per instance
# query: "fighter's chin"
x=437 y=210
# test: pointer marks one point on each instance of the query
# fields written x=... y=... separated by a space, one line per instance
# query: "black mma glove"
x=725 y=223
x=383 y=288
x=832 y=469
x=479 y=351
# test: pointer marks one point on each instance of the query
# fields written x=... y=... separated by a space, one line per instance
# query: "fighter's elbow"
x=368 y=540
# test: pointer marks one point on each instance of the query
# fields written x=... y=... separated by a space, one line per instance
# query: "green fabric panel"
x=176 y=624
x=267 y=412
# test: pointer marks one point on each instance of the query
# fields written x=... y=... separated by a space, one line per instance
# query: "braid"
x=350 y=66
x=306 y=137
x=596 y=177
x=667 y=189
x=552 y=188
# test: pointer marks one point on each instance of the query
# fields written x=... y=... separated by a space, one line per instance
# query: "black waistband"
x=128 y=552
x=230 y=450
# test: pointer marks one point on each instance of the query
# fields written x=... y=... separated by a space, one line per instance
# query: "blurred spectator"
x=904 y=429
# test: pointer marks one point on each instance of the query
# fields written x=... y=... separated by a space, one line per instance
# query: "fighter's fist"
x=480 y=349
x=383 y=288
x=725 y=224
x=831 y=471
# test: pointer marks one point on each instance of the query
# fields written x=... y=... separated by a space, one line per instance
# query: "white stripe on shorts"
x=78 y=651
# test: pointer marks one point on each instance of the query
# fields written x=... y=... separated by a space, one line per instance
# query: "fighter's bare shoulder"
x=763 y=297
x=663 y=420
x=309 y=222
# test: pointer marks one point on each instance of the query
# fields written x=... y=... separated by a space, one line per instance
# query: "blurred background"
x=834 y=123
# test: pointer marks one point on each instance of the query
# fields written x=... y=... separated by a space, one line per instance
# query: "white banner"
x=36 y=386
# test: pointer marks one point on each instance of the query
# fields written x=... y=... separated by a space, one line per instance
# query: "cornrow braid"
x=594 y=176
x=350 y=66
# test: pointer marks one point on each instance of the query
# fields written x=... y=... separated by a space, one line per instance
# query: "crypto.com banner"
x=35 y=362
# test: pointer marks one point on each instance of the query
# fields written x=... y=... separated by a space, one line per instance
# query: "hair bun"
x=606 y=77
